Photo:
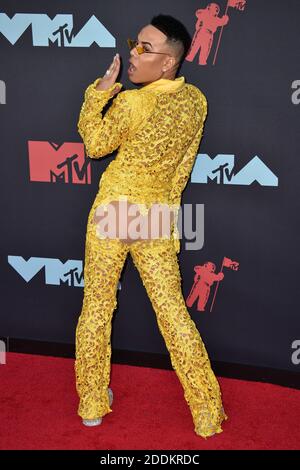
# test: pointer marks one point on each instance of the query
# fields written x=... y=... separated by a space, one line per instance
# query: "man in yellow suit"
x=157 y=130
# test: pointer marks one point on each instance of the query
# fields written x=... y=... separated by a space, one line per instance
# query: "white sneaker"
x=92 y=422
x=97 y=421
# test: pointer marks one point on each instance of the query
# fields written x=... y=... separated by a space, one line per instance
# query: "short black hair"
x=178 y=36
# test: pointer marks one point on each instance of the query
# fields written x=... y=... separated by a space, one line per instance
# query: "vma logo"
x=221 y=170
x=58 y=31
x=54 y=163
x=56 y=273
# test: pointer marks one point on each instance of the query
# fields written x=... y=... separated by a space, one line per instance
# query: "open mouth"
x=131 y=68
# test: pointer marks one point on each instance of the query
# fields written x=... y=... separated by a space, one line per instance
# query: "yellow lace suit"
x=157 y=130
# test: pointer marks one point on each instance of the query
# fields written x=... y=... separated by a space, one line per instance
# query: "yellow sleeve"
x=185 y=166
x=102 y=135
x=183 y=172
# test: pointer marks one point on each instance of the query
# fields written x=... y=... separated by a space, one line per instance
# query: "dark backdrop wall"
x=246 y=174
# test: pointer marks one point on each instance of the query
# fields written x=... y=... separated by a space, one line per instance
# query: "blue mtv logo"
x=56 y=272
x=221 y=170
x=59 y=30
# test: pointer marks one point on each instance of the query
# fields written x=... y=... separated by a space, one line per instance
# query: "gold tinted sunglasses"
x=132 y=43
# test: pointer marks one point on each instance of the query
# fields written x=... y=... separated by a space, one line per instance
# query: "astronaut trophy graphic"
x=204 y=278
x=208 y=21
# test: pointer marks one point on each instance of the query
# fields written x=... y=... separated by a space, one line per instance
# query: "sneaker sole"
x=98 y=421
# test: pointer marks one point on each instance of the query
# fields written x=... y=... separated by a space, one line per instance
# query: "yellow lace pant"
x=157 y=263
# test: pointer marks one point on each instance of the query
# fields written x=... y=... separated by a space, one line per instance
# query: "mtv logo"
x=220 y=169
x=56 y=272
x=58 y=30
x=53 y=163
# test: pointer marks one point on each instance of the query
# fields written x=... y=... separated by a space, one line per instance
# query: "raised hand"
x=110 y=76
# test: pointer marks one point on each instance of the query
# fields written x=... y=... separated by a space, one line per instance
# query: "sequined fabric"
x=157 y=130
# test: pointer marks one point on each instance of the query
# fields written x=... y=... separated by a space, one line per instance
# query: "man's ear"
x=171 y=61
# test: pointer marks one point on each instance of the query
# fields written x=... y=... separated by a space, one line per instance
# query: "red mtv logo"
x=54 y=163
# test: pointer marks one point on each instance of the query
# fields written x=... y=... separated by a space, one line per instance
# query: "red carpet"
x=38 y=410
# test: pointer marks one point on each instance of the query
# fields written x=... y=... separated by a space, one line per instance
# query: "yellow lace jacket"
x=157 y=130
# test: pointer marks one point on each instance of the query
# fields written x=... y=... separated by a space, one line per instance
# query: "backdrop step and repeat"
x=246 y=174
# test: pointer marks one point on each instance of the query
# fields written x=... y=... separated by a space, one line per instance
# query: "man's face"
x=150 y=67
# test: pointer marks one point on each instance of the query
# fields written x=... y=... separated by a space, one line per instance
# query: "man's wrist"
x=97 y=85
